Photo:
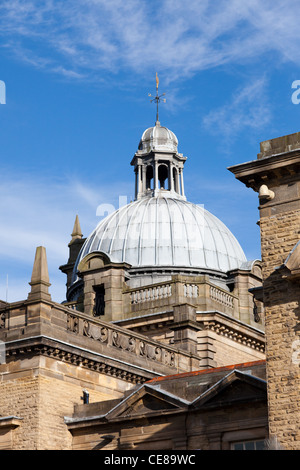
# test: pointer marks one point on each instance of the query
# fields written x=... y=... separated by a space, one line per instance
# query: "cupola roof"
x=158 y=138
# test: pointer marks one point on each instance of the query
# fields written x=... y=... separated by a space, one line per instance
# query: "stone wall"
x=18 y=398
x=279 y=234
x=40 y=392
x=275 y=177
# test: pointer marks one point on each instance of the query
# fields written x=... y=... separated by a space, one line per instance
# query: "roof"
x=190 y=385
x=167 y=232
x=226 y=386
x=158 y=138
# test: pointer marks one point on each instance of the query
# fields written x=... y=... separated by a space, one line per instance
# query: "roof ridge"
x=207 y=371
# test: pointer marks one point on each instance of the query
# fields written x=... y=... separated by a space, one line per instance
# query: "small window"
x=99 y=305
x=248 y=445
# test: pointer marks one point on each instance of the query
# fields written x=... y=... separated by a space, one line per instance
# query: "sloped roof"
x=236 y=385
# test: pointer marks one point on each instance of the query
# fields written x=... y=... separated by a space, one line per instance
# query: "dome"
x=165 y=231
x=158 y=138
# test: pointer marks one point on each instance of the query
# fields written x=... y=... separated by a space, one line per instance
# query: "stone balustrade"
x=151 y=293
x=191 y=290
x=220 y=296
x=199 y=293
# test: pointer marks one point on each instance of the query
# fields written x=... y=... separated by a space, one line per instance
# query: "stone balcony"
x=198 y=291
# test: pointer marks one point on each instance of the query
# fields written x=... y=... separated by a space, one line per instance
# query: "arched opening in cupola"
x=163 y=176
x=149 y=177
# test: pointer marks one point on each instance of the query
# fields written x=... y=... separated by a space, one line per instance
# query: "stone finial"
x=40 y=277
x=76 y=234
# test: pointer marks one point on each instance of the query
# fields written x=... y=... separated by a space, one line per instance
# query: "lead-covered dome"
x=165 y=232
x=158 y=138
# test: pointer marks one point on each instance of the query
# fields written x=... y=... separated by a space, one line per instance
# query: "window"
x=99 y=305
x=248 y=445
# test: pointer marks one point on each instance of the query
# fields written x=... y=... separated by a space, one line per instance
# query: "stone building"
x=275 y=176
x=163 y=325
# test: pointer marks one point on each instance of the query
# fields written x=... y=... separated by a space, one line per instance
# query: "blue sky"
x=77 y=76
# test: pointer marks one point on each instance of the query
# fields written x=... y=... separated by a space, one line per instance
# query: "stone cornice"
x=72 y=354
x=232 y=329
x=257 y=172
x=219 y=322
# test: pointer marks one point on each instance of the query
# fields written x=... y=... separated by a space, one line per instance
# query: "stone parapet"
x=24 y=321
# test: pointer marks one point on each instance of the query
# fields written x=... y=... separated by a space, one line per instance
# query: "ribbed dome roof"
x=165 y=231
x=158 y=138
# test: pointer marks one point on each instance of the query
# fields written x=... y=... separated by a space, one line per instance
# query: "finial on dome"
x=157 y=99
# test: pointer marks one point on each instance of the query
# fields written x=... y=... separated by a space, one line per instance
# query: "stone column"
x=171 y=181
x=139 y=180
x=178 y=181
x=155 y=175
x=136 y=183
x=182 y=185
x=144 y=179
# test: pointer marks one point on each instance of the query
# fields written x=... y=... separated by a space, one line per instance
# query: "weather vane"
x=157 y=98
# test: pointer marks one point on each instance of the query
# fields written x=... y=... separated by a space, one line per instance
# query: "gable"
x=292 y=264
x=236 y=393
x=237 y=388
x=147 y=404
x=146 y=401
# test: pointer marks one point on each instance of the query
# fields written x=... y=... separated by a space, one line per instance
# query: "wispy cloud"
x=42 y=212
x=84 y=37
x=247 y=109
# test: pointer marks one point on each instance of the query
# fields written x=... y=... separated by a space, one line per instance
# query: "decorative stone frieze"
x=126 y=342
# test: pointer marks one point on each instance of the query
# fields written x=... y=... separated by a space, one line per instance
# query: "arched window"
x=163 y=174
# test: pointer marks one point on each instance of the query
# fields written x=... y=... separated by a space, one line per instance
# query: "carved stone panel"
x=96 y=332
x=123 y=341
x=72 y=323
